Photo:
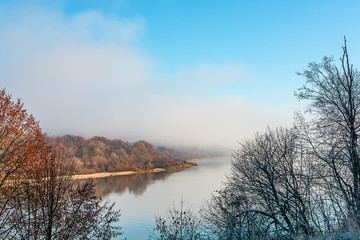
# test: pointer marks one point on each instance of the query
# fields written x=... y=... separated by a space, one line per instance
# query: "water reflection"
x=136 y=184
x=140 y=196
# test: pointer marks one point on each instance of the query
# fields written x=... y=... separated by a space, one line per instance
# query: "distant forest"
x=99 y=154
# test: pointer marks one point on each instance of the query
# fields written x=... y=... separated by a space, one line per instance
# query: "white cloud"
x=86 y=75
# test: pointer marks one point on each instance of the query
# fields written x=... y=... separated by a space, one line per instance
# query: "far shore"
x=109 y=174
x=188 y=164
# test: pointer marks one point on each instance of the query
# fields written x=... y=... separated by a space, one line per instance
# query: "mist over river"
x=141 y=196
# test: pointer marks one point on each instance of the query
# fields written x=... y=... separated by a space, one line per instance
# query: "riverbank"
x=109 y=174
x=187 y=164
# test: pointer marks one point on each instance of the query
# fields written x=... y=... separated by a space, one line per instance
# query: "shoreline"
x=109 y=174
x=188 y=164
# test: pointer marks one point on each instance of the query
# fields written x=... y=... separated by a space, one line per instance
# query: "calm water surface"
x=141 y=196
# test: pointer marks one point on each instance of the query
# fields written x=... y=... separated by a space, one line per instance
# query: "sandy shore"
x=109 y=174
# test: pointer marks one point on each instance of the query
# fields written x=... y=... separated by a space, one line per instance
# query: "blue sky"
x=168 y=71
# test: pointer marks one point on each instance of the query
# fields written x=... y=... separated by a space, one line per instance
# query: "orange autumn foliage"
x=21 y=141
x=38 y=197
x=99 y=154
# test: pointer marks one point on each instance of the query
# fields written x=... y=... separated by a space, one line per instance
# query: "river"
x=140 y=197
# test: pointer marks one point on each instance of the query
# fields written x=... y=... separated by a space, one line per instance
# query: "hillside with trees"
x=99 y=154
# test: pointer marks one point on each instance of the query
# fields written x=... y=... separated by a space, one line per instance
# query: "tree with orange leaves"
x=21 y=141
x=54 y=206
x=38 y=197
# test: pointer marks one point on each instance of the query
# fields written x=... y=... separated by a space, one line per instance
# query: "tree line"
x=99 y=154
x=301 y=182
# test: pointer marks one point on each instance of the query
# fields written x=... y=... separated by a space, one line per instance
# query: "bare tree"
x=224 y=216
x=268 y=193
x=303 y=181
x=180 y=223
x=331 y=136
